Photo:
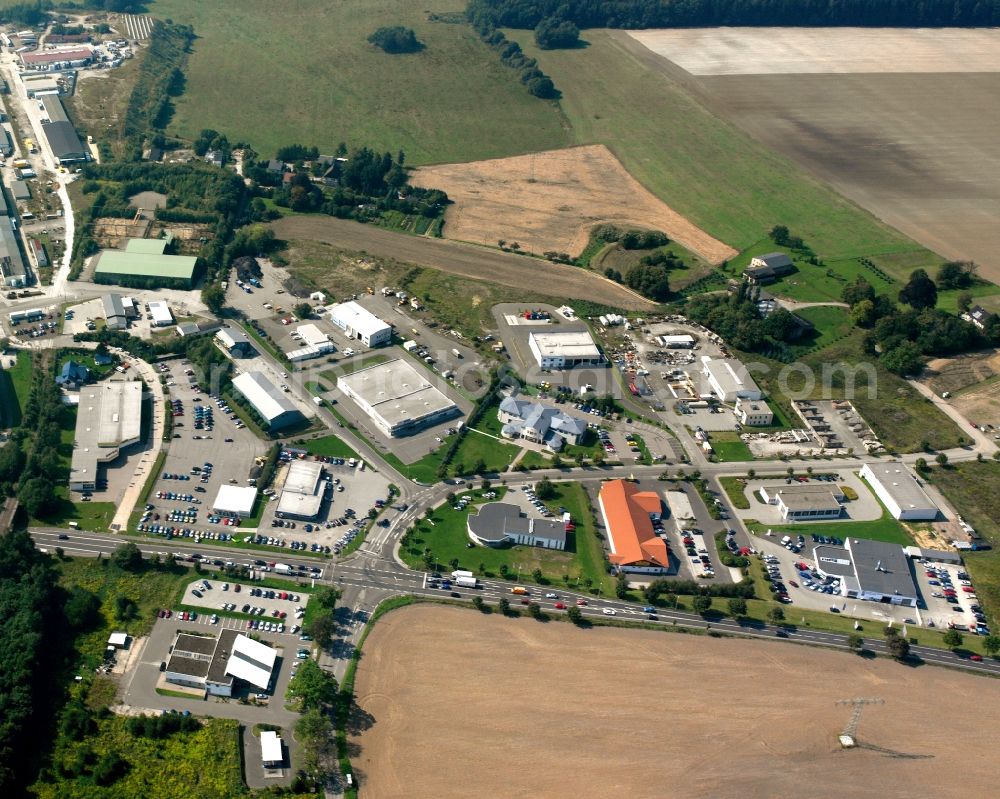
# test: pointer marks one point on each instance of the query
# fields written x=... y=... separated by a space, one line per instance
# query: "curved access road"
x=467 y=260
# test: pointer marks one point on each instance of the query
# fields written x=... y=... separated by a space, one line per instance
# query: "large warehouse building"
x=628 y=515
x=303 y=492
x=895 y=485
x=729 y=379
x=271 y=405
x=108 y=418
x=13 y=274
x=61 y=135
x=873 y=571
x=360 y=323
x=564 y=350
x=805 y=502
x=143 y=263
x=397 y=398
x=235 y=501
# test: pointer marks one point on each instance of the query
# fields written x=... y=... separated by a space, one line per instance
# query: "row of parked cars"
x=773 y=566
x=940 y=578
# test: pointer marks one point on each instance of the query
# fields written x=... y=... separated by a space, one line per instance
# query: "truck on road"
x=461 y=573
x=466 y=582
x=517 y=589
x=282 y=568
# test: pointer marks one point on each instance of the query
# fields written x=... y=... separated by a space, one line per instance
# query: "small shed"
x=118 y=640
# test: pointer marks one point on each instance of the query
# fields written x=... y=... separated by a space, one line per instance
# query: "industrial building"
x=214 y=664
x=160 y=311
x=499 y=524
x=397 y=398
x=234 y=341
x=12 y=270
x=564 y=350
x=114 y=311
x=729 y=380
x=271 y=405
x=869 y=570
x=315 y=344
x=539 y=423
x=235 y=501
x=628 y=515
x=20 y=191
x=798 y=502
x=902 y=495
x=143 y=264
x=361 y=324
x=61 y=135
x=57 y=59
x=303 y=492
x=108 y=419
x=754 y=413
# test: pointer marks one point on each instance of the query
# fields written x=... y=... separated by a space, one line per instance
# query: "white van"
x=75 y=525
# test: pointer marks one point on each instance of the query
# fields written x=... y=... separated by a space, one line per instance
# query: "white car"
x=215 y=619
x=610 y=612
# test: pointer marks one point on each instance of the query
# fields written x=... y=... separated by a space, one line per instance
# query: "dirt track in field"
x=456 y=704
x=973 y=383
x=467 y=260
x=910 y=136
x=550 y=202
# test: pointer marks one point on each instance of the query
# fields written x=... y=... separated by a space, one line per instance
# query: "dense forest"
x=703 y=13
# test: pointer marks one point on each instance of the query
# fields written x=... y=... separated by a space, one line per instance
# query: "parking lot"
x=219 y=453
x=950 y=598
x=278 y=608
x=354 y=493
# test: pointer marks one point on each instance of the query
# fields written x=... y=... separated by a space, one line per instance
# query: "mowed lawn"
x=273 y=75
x=616 y=92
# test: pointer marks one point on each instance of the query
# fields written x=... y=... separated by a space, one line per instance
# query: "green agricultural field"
x=615 y=92
x=307 y=74
x=973 y=489
x=447 y=538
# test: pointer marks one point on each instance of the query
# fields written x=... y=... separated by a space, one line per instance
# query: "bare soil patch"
x=455 y=704
x=550 y=201
x=518 y=271
x=974 y=382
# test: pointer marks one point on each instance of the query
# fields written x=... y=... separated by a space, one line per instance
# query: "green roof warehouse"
x=143 y=264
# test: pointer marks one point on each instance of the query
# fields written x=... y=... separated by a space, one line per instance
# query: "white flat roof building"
x=897 y=487
x=396 y=397
x=271 y=404
x=303 y=491
x=160 y=312
x=564 y=350
x=730 y=380
x=754 y=413
x=311 y=335
x=270 y=749
x=109 y=417
x=316 y=343
x=677 y=342
x=251 y=661
x=235 y=500
x=360 y=323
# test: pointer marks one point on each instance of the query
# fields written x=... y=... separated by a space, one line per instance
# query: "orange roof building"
x=628 y=514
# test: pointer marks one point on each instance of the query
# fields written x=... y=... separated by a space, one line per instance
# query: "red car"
x=169 y=613
x=560 y=606
x=976 y=658
x=968 y=589
x=581 y=601
x=526 y=601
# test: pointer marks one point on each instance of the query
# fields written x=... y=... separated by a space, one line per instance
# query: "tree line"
x=511 y=55
x=528 y=14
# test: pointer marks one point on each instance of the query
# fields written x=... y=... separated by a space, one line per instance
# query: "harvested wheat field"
x=550 y=202
x=457 y=704
x=974 y=383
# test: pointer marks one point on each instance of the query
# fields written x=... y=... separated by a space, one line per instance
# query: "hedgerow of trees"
x=527 y=14
x=511 y=55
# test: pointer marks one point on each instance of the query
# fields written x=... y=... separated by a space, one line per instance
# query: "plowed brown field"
x=456 y=704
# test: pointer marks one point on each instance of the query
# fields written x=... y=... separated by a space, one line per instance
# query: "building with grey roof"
x=303 y=491
x=397 y=398
x=212 y=664
x=798 y=502
x=234 y=341
x=108 y=418
x=768 y=268
x=564 y=349
x=873 y=571
x=12 y=270
x=539 y=423
x=275 y=409
x=498 y=524
x=114 y=311
x=20 y=190
x=897 y=487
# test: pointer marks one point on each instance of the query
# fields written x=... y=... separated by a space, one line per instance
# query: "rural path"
x=467 y=260
x=794 y=305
